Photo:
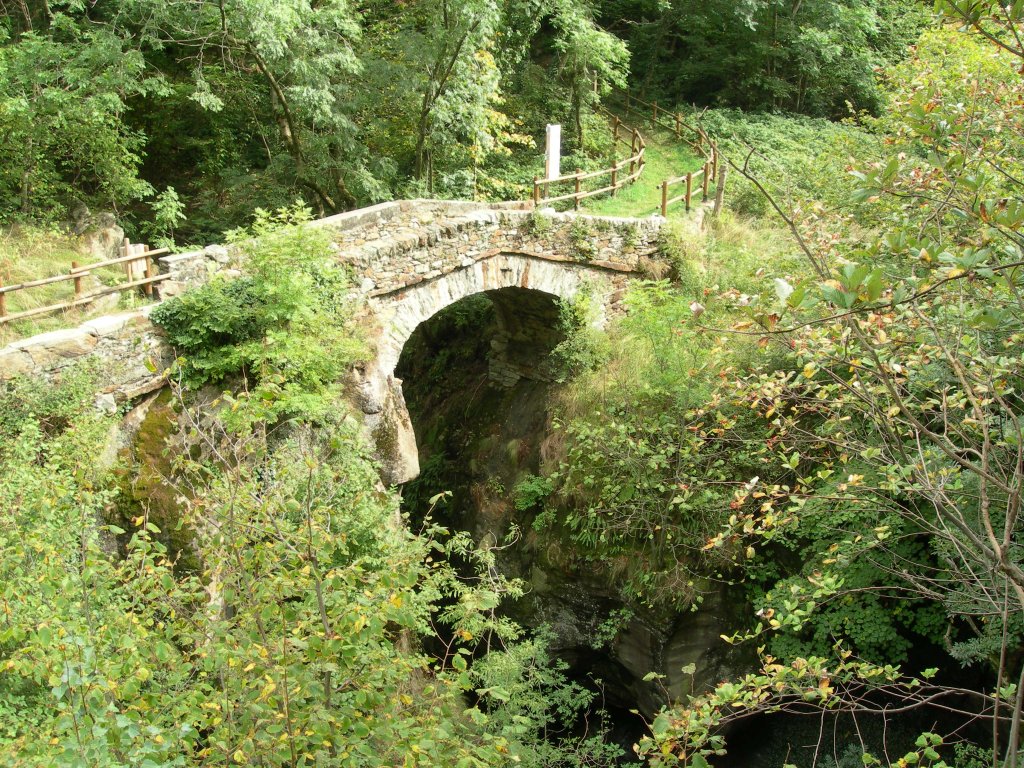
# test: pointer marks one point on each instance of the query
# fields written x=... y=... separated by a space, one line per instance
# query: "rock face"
x=686 y=648
x=128 y=349
x=387 y=424
x=100 y=233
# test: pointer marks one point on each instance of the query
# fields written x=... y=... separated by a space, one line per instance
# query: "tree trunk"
x=577 y=114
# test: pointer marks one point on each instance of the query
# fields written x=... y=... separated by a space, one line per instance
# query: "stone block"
x=14 y=362
x=48 y=348
x=217 y=253
x=108 y=325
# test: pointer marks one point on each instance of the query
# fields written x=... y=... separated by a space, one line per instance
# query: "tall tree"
x=64 y=84
x=300 y=55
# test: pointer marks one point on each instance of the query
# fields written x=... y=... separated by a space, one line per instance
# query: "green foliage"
x=581 y=237
x=897 y=412
x=52 y=409
x=649 y=488
x=168 y=213
x=652 y=451
x=526 y=694
x=285 y=324
x=591 y=60
x=531 y=491
x=584 y=347
x=540 y=223
x=293 y=640
x=63 y=93
x=816 y=58
x=800 y=160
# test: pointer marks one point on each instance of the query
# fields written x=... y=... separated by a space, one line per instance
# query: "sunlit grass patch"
x=29 y=253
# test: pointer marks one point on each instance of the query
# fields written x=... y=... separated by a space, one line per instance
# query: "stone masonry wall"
x=427 y=246
x=128 y=350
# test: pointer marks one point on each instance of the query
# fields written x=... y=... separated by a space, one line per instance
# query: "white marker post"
x=553 y=152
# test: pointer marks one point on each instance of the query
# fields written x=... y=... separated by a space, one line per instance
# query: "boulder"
x=101 y=236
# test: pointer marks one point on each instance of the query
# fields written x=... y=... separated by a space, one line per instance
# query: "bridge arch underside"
x=403 y=311
x=524 y=292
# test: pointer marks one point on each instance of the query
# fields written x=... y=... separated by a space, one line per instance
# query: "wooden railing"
x=699 y=140
x=703 y=177
x=635 y=162
x=676 y=122
x=138 y=266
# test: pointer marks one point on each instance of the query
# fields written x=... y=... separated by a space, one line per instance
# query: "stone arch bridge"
x=411 y=259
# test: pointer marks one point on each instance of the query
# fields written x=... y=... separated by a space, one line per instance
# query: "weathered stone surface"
x=100 y=234
x=414 y=258
x=108 y=325
x=14 y=362
x=49 y=347
x=106 y=402
x=218 y=253
x=388 y=426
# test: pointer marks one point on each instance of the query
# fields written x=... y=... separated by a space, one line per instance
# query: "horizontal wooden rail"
x=85 y=299
x=35 y=283
x=675 y=122
x=635 y=162
x=76 y=275
x=703 y=176
x=86 y=268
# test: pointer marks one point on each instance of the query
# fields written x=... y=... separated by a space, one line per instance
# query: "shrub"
x=285 y=325
x=584 y=347
x=531 y=491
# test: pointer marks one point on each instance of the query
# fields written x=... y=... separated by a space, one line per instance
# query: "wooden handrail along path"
x=635 y=161
x=137 y=259
x=701 y=143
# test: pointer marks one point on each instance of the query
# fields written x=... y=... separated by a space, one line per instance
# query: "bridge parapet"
x=420 y=251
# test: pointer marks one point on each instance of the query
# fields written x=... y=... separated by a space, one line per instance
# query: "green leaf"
x=783 y=289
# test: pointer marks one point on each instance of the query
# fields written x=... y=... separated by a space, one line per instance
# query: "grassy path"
x=666 y=157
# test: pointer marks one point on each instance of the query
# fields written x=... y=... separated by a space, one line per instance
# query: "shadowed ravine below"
x=477 y=379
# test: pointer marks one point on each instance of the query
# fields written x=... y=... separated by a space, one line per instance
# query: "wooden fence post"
x=78 y=281
x=576 y=198
x=126 y=250
x=706 y=180
x=632 y=152
x=720 y=191
x=664 y=198
x=679 y=124
x=148 y=287
x=714 y=159
x=536 y=190
x=615 y=134
x=654 y=121
x=689 y=190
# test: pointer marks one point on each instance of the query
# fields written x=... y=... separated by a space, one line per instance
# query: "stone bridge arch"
x=398 y=313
